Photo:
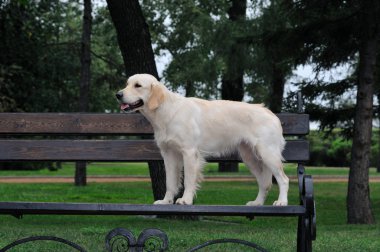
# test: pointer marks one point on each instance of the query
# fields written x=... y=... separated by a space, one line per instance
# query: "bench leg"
x=306 y=231
x=304 y=236
x=301 y=237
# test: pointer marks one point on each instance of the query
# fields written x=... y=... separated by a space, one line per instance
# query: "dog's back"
x=223 y=125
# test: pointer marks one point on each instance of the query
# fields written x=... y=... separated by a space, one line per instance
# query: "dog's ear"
x=157 y=96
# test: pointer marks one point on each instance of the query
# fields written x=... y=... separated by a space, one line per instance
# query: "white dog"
x=187 y=130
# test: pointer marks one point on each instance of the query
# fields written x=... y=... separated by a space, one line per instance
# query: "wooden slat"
x=21 y=208
x=294 y=124
x=109 y=150
x=297 y=150
x=105 y=124
x=73 y=123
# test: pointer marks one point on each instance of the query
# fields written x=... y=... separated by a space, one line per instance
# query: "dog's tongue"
x=124 y=106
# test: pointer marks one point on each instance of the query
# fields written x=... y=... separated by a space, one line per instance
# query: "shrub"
x=334 y=150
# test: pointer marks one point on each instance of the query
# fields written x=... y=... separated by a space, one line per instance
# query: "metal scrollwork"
x=150 y=240
x=42 y=238
x=236 y=241
x=122 y=240
x=153 y=240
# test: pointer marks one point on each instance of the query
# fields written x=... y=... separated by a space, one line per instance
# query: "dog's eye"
x=137 y=85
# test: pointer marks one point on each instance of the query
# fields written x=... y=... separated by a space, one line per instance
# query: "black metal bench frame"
x=78 y=149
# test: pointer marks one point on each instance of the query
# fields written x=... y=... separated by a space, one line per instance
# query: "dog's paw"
x=280 y=203
x=255 y=203
x=183 y=201
x=163 y=202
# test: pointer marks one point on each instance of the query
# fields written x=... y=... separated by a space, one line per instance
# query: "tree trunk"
x=85 y=58
x=232 y=86
x=232 y=80
x=189 y=89
x=358 y=198
x=228 y=167
x=277 y=88
x=133 y=37
x=158 y=179
x=135 y=45
x=80 y=173
x=377 y=87
x=84 y=94
x=378 y=116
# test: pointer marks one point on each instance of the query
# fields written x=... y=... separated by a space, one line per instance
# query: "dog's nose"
x=119 y=95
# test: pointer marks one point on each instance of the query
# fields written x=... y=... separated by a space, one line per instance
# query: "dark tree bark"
x=189 y=89
x=358 y=197
x=377 y=87
x=85 y=57
x=136 y=48
x=277 y=88
x=378 y=115
x=133 y=37
x=84 y=91
x=276 y=94
x=232 y=79
x=80 y=173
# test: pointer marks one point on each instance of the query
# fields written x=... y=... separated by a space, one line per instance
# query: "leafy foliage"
x=193 y=41
x=39 y=60
x=332 y=149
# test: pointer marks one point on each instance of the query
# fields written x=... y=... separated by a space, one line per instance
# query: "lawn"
x=275 y=234
x=141 y=169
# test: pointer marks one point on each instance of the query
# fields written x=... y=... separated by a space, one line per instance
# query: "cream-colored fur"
x=187 y=130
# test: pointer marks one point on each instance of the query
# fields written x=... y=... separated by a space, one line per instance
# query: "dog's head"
x=143 y=91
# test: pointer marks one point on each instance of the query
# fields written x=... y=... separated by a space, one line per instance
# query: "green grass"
x=141 y=169
x=275 y=234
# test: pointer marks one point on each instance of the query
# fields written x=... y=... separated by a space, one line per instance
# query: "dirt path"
x=109 y=179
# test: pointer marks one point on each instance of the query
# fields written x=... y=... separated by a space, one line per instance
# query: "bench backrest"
x=56 y=141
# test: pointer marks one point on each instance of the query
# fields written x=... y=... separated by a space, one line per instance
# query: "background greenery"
x=334 y=149
x=40 y=53
x=141 y=170
x=40 y=63
x=40 y=58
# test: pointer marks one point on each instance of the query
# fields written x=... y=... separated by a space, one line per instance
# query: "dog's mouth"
x=131 y=106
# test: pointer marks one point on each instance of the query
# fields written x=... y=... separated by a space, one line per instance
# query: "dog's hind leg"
x=255 y=165
x=173 y=169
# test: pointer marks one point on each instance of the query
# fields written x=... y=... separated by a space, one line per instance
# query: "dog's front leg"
x=192 y=167
x=173 y=167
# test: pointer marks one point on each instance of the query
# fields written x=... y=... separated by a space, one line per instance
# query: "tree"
x=232 y=79
x=85 y=80
x=188 y=34
x=40 y=59
x=85 y=58
x=378 y=106
x=277 y=59
x=135 y=45
x=233 y=75
x=37 y=59
x=358 y=197
x=133 y=37
x=334 y=33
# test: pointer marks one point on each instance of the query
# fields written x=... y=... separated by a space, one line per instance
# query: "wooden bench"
x=73 y=126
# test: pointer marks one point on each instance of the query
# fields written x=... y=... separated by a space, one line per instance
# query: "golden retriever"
x=187 y=130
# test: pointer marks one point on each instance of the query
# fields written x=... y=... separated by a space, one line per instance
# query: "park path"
x=111 y=179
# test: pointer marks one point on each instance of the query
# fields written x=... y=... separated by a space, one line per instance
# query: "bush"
x=335 y=150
